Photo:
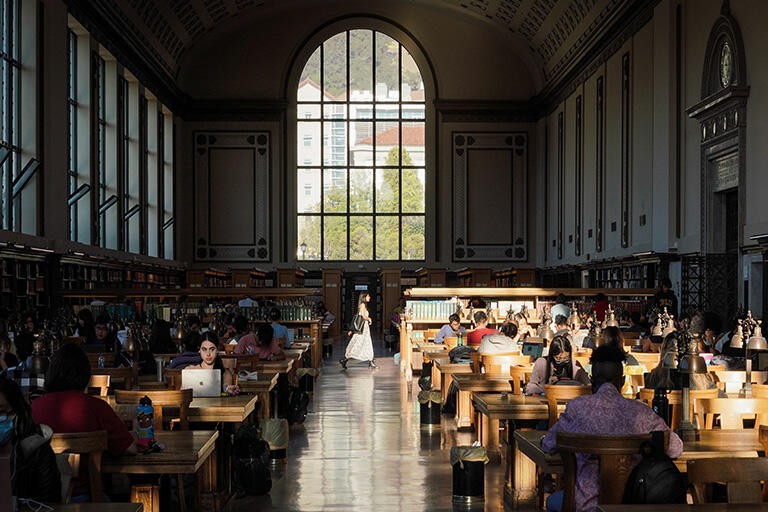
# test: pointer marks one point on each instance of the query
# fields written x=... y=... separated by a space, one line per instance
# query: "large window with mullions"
x=360 y=151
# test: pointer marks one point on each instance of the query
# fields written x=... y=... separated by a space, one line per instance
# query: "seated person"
x=266 y=344
x=669 y=378
x=560 y=307
x=603 y=412
x=240 y=325
x=247 y=344
x=612 y=336
x=31 y=384
x=480 y=330
x=452 y=328
x=103 y=335
x=35 y=475
x=85 y=325
x=503 y=342
x=7 y=358
x=194 y=323
x=712 y=326
x=558 y=367
x=524 y=329
x=281 y=331
x=634 y=324
x=191 y=354
x=210 y=360
x=160 y=341
x=66 y=407
x=561 y=326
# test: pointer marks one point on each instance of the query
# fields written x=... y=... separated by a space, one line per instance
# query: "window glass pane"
x=168 y=249
x=361 y=111
x=334 y=111
x=412 y=85
x=309 y=235
x=413 y=237
x=308 y=111
x=412 y=140
x=335 y=143
x=387 y=237
x=361 y=238
x=361 y=135
x=308 y=191
x=387 y=79
x=361 y=65
x=387 y=190
x=335 y=237
x=413 y=190
x=335 y=68
x=308 y=148
x=309 y=84
x=387 y=143
x=412 y=110
x=335 y=190
x=387 y=111
x=360 y=190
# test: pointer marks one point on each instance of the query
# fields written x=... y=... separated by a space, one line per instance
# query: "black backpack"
x=250 y=464
x=297 y=406
x=656 y=479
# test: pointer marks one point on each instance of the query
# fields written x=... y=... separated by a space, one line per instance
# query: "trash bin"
x=468 y=473
x=306 y=377
x=389 y=340
x=327 y=349
x=275 y=432
x=430 y=402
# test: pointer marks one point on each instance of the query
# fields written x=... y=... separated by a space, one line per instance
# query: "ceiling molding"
x=454 y=111
x=236 y=110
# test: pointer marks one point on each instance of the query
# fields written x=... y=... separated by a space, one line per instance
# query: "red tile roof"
x=412 y=136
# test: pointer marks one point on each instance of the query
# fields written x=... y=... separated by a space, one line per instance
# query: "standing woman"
x=360 y=346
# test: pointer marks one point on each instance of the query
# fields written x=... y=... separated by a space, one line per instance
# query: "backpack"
x=297 y=406
x=656 y=479
x=250 y=464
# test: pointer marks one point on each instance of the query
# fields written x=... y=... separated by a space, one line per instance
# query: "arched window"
x=360 y=151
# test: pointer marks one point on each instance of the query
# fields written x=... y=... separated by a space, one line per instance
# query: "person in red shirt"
x=66 y=408
x=480 y=330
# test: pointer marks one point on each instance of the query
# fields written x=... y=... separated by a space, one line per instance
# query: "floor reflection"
x=361 y=448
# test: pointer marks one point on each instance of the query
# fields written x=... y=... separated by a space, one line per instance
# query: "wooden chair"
x=101 y=382
x=109 y=359
x=174 y=398
x=248 y=362
x=760 y=390
x=172 y=377
x=477 y=363
x=501 y=363
x=743 y=478
x=559 y=394
x=675 y=399
x=430 y=334
x=583 y=360
x=732 y=381
x=78 y=444
x=281 y=342
x=638 y=383
x=716 y=368
x=731 y=411
x=616 y=456
x=181 y=398
x=521 y=376
x=451 y=342
x=649 y=359
x=124 y=373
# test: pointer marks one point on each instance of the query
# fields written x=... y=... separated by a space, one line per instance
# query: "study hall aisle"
x=361 y=448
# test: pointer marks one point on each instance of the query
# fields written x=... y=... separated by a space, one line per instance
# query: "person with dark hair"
x=558 y=367
x=669 y=378
x=360 y=345
x=160 y=341
x=281 y=331
x=266 y=343
x=35 y=475
x=7 y=358
x=612 y=336
x=523 y=327
x=103 y=335
x=191 y=354
x=634 y=322
x=502 y=342
x=665 y=298
x=561 y=326
x=600 y=306
x=241 y=326
x=229 y=326
x=32 y=384
x=560 y=307
x=605 y=412
x=210 y=360
x=452 y=328
x=85 y=325
x=712 y=327
x=192 y=338
x=25 y=338
x=194 y=323
x=476 y=335
x=66 y=408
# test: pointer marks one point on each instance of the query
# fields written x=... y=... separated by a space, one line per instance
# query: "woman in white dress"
x=360 y=347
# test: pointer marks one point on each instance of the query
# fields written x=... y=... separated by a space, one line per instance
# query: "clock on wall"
x=726 y=64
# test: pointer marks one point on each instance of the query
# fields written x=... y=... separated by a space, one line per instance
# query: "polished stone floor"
x=361 y=448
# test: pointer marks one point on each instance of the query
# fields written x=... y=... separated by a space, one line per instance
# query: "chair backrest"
x=731 y=381
x=109 y=359
x=281 y=342
x=248 y=362
x=583 y=360
x=675 y=399
x=477 y=364
x=124 y=373
x=559 y=394
x=180 y=398
x=101 y=382
x=77 y=444
x=521 y=375
x=716 y=368
x=430 y=334
x=760 y=390
x=451 y=341
x=501 y=363
x=742 y=476
x=649 y=359
x=616 y=456
x=630 y=337
x=731 y=411
x=173 y=377
x=638 y=382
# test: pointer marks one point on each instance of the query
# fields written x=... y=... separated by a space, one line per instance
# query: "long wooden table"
x=445 y=370
x=261 y=388
x=226 y=409
x=469 y=383
x=282 y=366
x=494 y=407
x=186 y=452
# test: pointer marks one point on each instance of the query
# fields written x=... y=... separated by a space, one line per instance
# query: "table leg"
x=463 y=410
x=208 y=494
x=443 y=386
x=265 y=410
x=520 y=485
x=436 y=384
x=148 y=495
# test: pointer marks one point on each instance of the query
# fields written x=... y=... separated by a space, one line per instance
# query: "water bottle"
x=660 y=404
x=101 y=361
x=145 y=422
x=459 y=340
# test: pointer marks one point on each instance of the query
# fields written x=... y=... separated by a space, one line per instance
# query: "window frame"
x=10 y=110
x=347 y=120
x=72 y=106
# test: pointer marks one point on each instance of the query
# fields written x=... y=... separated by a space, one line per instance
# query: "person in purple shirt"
x=603 y=412
x=452 y=328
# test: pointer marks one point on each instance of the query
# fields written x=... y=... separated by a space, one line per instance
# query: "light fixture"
x=303 y=249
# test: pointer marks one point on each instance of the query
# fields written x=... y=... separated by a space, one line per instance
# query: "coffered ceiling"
x=556 y=31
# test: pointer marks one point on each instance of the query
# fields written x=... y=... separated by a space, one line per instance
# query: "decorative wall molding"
x=455 y=111
x=579 y=164
x=626 y=147
x=600 y=162
x=231 y=196
x=511 y=147
x=236 y=110
x=560 y=180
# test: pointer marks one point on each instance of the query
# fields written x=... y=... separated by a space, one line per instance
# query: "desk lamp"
x=690 y=363
x=752 y=330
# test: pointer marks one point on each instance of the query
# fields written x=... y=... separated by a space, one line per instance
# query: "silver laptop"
x=203 y=383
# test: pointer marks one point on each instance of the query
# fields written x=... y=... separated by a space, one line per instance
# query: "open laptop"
x=203 y=383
